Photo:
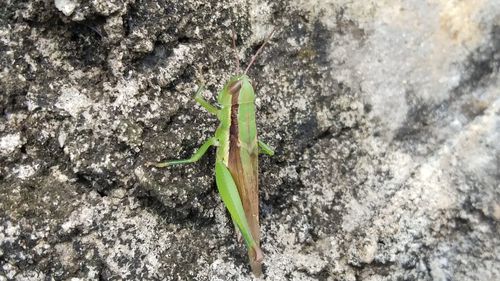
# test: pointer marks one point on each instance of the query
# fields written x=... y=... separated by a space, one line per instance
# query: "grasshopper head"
x=238 y=90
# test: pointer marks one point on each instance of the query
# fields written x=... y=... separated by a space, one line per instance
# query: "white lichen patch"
x=108 y=7
x=83 y=217
x=66 y=6
x=72 y=101
x=220 y=270
x=67 y=254
x=25 y=171
x=58 y=175
x=9 y=143
x=61 y=138
x=356 y=214
x=10 y=271
x=125 y=92
x=369 y=250
x=9 y=232
x=30 y=275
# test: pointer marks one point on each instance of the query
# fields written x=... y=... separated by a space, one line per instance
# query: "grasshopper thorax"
x=236 y=91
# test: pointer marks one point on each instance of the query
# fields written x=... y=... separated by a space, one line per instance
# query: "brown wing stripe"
x=234 y=89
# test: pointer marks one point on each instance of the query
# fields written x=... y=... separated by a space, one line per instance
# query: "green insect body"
x=236 y=165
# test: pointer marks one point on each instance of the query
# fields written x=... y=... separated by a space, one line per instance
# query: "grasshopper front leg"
x=231 y=198
x=205 y=104
x=264 y=148
x=204 y=147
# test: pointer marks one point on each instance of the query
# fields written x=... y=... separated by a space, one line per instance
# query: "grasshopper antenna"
x=236 y=53
x=259 y=50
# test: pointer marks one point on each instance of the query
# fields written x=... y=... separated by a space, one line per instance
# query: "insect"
x=236 y=165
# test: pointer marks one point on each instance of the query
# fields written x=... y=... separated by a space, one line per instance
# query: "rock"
x=384 y=116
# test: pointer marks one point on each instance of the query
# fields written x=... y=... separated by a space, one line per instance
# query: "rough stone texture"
x=384 y=115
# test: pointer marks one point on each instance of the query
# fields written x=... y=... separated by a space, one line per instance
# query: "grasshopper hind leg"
x=231 y=198
x=196 y=156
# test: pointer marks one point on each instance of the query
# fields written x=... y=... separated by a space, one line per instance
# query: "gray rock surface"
x=385 y=116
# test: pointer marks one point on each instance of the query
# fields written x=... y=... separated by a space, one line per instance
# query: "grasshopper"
x=236 y=165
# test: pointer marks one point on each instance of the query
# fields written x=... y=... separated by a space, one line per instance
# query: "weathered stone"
x=385 y=118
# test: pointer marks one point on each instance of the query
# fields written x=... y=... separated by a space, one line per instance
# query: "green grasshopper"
x=236 y=165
